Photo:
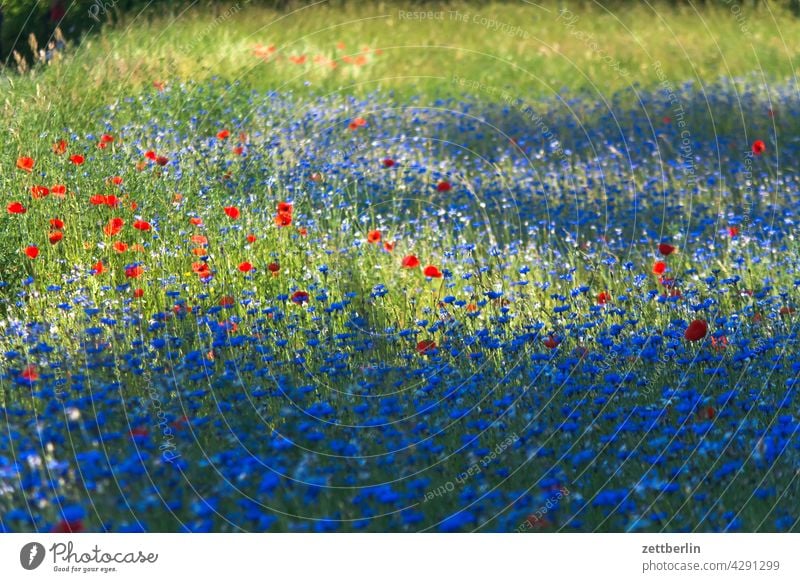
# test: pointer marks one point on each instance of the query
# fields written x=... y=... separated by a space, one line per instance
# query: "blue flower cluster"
x=461 y=319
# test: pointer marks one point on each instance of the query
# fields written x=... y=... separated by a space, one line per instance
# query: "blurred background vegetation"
x=115 y=48
x=21 y=18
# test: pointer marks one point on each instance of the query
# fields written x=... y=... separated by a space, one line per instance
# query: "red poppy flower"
x=116 y=180
x=181 y=423
x=226 y=301
x=432 y=272
x=444 y=186
x=32 y=252
x=134 y=271
x=232 y=212
x=374 y=236
x=300 y=297
x=696 y=331
x=245 y=267
x=162 y=160
x=199 y=239
x=120 y=246
x=426 y=346
x=733 y=231
x=111 y=200
x=142 y=225
x=274 y=268
x=58 y=190
x=388 y=246
x=551 y=342
x=25 y=164
x=285 y=207
x=283 y=219
x=138 y=293
x=56 y=223
x=603 y=297
x=139 y=431
x=113 y=227
x=223 y=134
x=666 y=249
x=29 y=374
x=59 y=147
x=388 y=162
x=759 y=147
x=357 y=122
x=39 y=191
x=97 y=200
x=98 y=268
x=708 y=413
x=198 y=221
x=150 y=155
x=16 y=208
x=659 y=267
x=105 y=138
x=202 y=270
x=77 y=159
x=55 y=236
x=410 y=262
x=251 y=238
x=302 y=231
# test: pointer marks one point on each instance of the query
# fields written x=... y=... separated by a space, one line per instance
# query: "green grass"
x=543 y=53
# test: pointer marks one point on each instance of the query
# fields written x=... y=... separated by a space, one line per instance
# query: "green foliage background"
x=23 y=17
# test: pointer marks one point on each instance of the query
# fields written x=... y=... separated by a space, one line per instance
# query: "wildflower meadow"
x=309 y=293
